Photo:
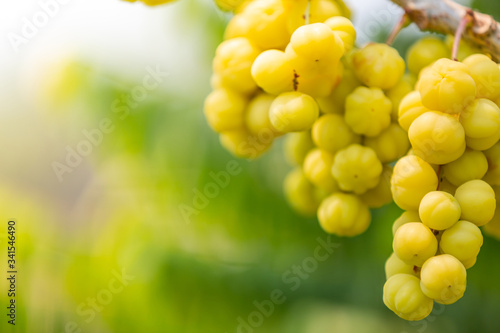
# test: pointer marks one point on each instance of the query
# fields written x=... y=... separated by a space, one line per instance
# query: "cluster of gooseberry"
x=447 y=182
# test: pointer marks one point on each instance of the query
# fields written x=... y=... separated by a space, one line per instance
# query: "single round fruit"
x=368 y=111
x=316 y=42
x=344 y=215
x=437 y=137
x=424 y=52
x=471 y=165
x=446 y=86
x=463 y=241
x=439 y=210
x=477 y=200
x=344 y=29
x=412 y=179
x=414 y=243
x=263 y=22
x=391 y=144
x=443 y=278
x=402 y=295
x=224 y=110
x=296 y=147
x=233 y=61
x=300 y=193
x=356 y=169
x=378 y=66
x=272 y=72
x=486 y=74
x=330 y=132
x=293 y=112
x=317 y=168
x=257 y=115
x=318 y=77
x=410 y=108
x=481 y=123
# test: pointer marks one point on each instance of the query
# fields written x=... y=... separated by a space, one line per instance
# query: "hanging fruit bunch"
x=362 y=128
x=447 y=183
x=290 y=69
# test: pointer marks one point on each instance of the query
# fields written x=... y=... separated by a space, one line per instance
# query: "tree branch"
x=444 y=16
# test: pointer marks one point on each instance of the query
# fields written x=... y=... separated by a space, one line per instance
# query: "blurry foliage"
x=487 y=7
x=202 y=275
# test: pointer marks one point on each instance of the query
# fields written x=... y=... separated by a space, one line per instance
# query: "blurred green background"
x=109 y=246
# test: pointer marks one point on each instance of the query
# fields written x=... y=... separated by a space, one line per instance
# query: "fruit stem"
x=308 y=12
x=397 y=28
x=444 y=16
x=466 y=20
x=440 y=167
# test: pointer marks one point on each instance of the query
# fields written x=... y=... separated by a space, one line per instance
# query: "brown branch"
x=444 y=16
x=467 y=19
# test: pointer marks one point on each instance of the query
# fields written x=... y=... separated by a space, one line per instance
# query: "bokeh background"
x=106 y=244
